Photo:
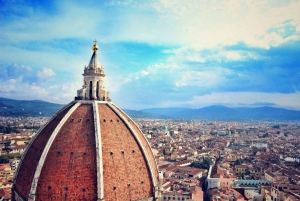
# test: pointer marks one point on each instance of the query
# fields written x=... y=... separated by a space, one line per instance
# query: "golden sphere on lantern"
x=95 y=47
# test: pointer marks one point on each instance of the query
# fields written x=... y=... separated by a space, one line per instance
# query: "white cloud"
x=54 y=87
x=139 y=75
x=45 y=73
x=204 y=78
x=273 y=39
x=7 y=86
x=12 y=81
x=37 y=92
x=114 y=84
x=231 y=55
x=181 y=57
x=144 y=73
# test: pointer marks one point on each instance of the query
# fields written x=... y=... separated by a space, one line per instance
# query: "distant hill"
x=218 y=112
x=34 y=108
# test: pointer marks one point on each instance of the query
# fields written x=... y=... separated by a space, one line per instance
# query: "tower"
x=93 y=86
x=89 y=150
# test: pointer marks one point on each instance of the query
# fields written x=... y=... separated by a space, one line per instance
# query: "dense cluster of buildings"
x=23 y=122
x=248 y=161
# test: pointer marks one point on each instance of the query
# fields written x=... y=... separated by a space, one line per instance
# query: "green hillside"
x=33 y=108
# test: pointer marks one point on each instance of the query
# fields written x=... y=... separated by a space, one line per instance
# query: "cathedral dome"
x=89 y=150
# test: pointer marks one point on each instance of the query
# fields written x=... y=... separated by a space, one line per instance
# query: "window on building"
x=91 y=88
x=97 y=89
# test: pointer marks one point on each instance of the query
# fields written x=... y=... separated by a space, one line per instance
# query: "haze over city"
x=154 y=53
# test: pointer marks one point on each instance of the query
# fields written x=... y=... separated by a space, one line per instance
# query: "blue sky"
x=160 y=53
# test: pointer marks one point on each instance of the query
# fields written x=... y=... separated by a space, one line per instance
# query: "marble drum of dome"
x=89 y=150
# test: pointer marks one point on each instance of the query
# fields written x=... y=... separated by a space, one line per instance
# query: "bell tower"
x=93 y=80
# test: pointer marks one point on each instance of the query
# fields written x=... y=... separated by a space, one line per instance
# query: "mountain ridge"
x=35 y=108
x=219 y=112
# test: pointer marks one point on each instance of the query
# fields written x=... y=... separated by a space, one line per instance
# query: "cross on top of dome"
x=95 y=47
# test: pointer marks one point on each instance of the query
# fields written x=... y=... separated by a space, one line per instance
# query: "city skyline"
x=155 y=54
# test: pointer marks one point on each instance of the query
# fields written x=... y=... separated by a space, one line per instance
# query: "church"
x=89 y=150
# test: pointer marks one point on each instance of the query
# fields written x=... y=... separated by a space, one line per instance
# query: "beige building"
x=253 y=195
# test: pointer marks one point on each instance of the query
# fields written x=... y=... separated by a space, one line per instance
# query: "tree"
x=238 y=162
x=6 y=158
x=203 y=164
x=8 y=129
x=265 y=135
